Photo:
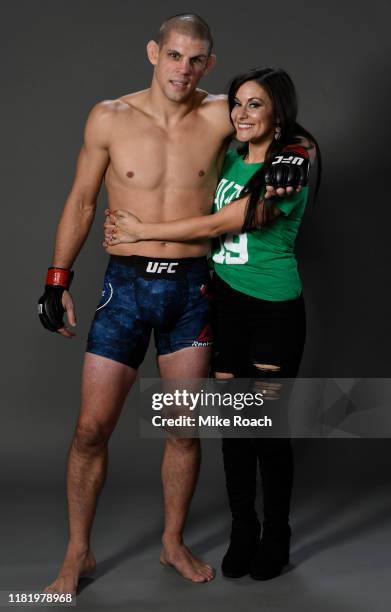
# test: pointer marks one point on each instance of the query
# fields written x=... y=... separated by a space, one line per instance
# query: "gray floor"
x=340 y=555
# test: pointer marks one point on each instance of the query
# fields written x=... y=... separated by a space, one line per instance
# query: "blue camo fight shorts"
x=172 y=297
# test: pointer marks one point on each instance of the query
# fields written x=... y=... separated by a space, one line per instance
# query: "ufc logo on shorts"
x=295 y=161
x=156 y=267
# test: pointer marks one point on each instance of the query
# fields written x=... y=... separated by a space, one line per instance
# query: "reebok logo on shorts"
x=205 y=337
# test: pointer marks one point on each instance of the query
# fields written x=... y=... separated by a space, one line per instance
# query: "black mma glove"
x=50 y=308
x=289 y=169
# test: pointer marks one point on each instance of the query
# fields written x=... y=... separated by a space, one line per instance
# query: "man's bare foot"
x=179 y=556
x=73 y=567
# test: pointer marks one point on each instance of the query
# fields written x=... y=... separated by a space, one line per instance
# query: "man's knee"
x=183 y=445
x=90 y=435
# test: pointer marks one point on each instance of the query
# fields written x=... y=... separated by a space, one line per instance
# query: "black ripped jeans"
x=251 y=331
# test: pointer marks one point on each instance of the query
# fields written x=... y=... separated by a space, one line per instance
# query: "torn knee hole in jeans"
x=221 y=376
x=265 y=380
x=265 y=367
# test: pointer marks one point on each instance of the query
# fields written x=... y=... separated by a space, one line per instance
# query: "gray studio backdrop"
x=59 y=59
x=63 y=57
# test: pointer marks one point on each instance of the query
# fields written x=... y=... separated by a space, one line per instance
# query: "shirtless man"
x=159 y=152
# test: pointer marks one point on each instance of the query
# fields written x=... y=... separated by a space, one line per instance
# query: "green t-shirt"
x=261 y=262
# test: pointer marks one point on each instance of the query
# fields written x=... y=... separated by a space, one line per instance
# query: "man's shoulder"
x=111 y=108
x=103 y=113
x=132 y=101
x=101 y=120
x=216 y=108
x=214 y=102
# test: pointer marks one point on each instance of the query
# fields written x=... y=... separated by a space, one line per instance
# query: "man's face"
x=180 y=62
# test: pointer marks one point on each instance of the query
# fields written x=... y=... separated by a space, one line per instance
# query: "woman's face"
x=253 y=114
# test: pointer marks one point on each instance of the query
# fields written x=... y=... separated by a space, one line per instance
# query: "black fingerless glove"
x=289 y=169
x=50 y=308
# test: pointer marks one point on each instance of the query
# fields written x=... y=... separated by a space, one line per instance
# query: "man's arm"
x=76 y=220
x=80 y=206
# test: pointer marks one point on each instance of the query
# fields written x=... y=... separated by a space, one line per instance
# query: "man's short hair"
x=189 y=24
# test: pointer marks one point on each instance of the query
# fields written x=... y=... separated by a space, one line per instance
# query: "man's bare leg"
x=105 y=384
x=180 y=467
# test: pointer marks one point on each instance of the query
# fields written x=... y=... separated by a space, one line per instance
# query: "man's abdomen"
x=153 y=248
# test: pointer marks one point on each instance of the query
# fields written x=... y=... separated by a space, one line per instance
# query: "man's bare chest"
x=145 y=156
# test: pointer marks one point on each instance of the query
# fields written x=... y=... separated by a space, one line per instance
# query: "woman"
x=259 y=315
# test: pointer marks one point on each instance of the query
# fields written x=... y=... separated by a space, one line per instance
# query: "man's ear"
x=210 y=62
x=153 y=52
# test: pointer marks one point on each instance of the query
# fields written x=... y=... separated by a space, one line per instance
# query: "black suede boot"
x=240 y=465
x=276 y=465
x=272 y=553
x=244 y=543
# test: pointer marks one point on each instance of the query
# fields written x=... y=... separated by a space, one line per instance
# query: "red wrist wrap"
x=58 y=276
x=296 y=150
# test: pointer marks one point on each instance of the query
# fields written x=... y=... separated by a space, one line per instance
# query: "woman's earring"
x=277 y=133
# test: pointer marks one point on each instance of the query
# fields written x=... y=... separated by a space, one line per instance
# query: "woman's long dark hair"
x=281 y=90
